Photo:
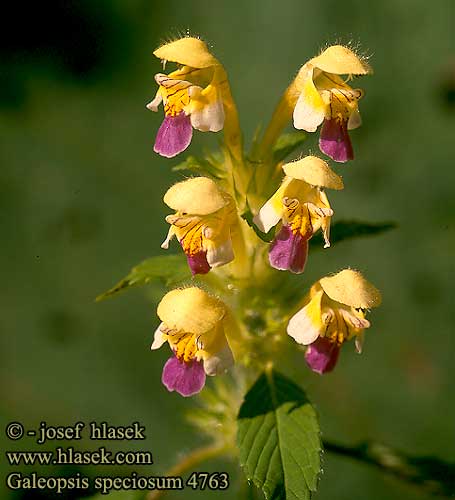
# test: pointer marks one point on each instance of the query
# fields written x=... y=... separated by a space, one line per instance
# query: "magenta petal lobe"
x=334 y=140
x=185 y=378
x=288 y=251
x=322 y=355
x=198 y=263
x=174 y=135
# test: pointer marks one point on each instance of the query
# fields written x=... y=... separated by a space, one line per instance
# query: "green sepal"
x=211 y=166
x=286 y=144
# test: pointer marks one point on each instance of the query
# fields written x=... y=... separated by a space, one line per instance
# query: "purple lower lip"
x=174 y=135
x=185 y=378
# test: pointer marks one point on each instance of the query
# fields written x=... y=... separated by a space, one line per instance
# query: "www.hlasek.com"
x=104 y=484
x=70 y=456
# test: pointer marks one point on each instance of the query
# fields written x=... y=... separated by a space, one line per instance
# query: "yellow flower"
x=204 y=223
x=334 y=312
x=192 y=323
x=302 y=206
x=192 y=95
x=326 y=97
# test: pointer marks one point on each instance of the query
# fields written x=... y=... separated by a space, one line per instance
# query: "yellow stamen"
x=298 y=217
x=307 y=217
x=342 y=323
x=342 y=103
x=185 y=345
x=186 y=348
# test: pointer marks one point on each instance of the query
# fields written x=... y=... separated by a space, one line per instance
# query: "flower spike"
x=334 y=312
x=187 y=51
x=302 y=206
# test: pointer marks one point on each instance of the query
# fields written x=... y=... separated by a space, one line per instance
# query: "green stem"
x=188 y=462
x=431 y=474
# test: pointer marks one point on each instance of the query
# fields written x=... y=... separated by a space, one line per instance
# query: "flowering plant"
x=246 y=222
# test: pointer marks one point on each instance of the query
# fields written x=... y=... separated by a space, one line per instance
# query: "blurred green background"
x=81 y=203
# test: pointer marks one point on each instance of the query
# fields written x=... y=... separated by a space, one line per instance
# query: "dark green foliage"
x=343 y=229
x=278 y=438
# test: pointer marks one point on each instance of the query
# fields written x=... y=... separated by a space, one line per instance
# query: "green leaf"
x=201 y=166
x=278 y=437
x=169 y=269
x=342 y=230
x=247 y=215
x=286 y=144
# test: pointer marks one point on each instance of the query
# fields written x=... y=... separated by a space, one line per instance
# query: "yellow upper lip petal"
x=351 y=288
x=190 y=310
x=314 y=171
x=340 y=60
x=188 y=51
x=198 y=196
